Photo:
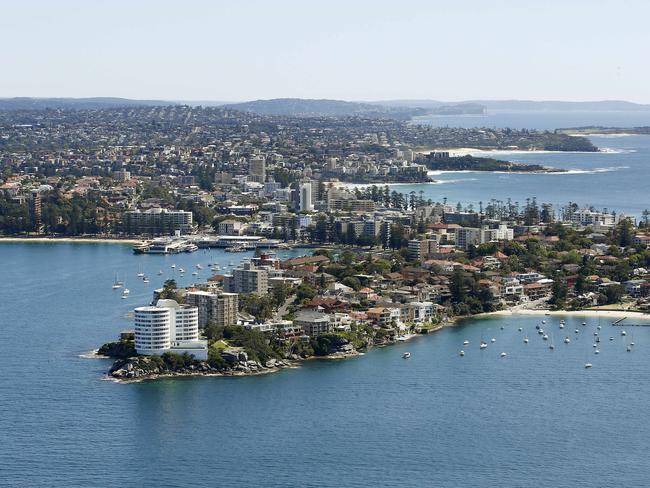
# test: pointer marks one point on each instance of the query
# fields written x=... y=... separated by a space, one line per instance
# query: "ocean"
x=534 y=418
x=618 y=178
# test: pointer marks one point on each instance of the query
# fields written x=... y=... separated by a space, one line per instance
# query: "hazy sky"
x=352 y=49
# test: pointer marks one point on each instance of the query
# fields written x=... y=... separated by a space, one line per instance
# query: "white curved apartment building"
x=168 y=326
x=152 y=330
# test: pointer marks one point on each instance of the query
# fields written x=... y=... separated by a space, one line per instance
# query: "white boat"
x=561 y=326
x=631 y=343
x=116 y=284
x=545 y=337
x=160 y=272
x=629 y=349
x=551 y=346
x=461 y=353
x=493 y=340
x=543 y=321
x=173 y=266
x=483 y=345
x=145 y=280
x=525 y=340
x=588 y=365
x=577 y=331
x=584 y=323
x=195 y=273
x=623 y=333
x=198 y=266
x=125 y=293
x=520 y=329
x=181 y=270
x=595 y=345
x=503 y=354
x=406 y=355
x=611 y=338
x=596 y=351
x=465 y=342
x=567 y=340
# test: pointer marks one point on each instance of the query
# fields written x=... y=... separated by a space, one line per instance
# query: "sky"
x=351 y=50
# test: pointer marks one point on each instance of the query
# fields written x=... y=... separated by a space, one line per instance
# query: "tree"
x=457 y=286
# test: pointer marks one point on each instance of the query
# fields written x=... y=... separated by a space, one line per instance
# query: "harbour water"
x=534 y=418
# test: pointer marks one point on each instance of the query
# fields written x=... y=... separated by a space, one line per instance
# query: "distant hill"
x=299 y=107
x=26 y=103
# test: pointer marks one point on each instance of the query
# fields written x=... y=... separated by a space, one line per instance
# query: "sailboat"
x=125 y=292
x=140 y=272
x=116 y=284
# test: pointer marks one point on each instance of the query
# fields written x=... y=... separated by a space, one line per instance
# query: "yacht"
x=406 y=355
x=195 y=273
x=181 y=270
x=561 y=326
x=461 y=353
x=483 y=345
x=588 y=365
x=584 y=323
x=145 y=280
x=198 y=266
x=173 y=266
x=116 y=284
x=623 y=333
x=545 y=337
x=520 y=329
x=596 y=351
x=125 y=292
x=493 y=340
x=567 y=340
x=525 y=340
x=503 y=354
x=465 y=342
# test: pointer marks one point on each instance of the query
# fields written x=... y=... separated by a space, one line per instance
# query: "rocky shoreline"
x=141 y=368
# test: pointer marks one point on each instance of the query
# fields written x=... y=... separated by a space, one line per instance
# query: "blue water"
x=618 y=179
x=536 y=418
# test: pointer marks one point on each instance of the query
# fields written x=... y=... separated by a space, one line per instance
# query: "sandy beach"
x=613 y=314
x=472 y=151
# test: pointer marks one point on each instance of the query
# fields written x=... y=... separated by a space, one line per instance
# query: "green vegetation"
x=472 y=163
x=119 y=349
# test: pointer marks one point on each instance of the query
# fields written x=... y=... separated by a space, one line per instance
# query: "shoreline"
x=69 y=240
x=475 y=151
x=454 y=322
